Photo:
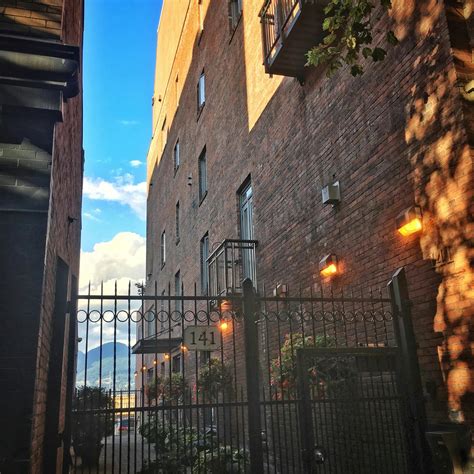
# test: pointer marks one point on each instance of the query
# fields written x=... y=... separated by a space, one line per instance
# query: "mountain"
x=106 y=372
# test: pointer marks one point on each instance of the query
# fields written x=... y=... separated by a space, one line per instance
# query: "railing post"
x=252 y=367
x=406 y=341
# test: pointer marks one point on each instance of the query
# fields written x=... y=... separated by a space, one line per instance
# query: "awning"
x=157 y=346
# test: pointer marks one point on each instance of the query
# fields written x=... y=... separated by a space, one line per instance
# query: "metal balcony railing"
x=289 y=29
x=230 y=264
x=276 y=16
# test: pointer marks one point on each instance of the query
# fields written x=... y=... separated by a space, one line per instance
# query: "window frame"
x=163 y=248
x=202 y=176
x=235 y=9
x=204 y=244
x=201 y=92
x=176 y=156
x=177 y=223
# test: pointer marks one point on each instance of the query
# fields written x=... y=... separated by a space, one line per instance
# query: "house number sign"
x=201 y=338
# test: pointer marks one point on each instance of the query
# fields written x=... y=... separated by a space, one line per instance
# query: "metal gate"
x=244 y=383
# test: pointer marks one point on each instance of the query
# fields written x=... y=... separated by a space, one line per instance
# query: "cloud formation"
x=122 y=190
x=122 y=261
x=136 y=163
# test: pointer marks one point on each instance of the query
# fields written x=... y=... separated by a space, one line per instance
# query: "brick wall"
x=34 y=18
x=64 y=227
x=384 y=136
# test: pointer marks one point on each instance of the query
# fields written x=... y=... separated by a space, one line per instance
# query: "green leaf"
x=366 y=52
x=357 y=70
x=391 y=38
x=378 y=54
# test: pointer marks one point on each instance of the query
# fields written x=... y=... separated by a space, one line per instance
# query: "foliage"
x=169 y=389
x=283 y=371
x=178 y=449
x=348 y=28
x=221 y=460
x=91 y=426
x=215 y=378
x=174 y=446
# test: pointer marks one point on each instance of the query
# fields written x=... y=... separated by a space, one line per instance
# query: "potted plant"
x=215 y=378
x=90 y=426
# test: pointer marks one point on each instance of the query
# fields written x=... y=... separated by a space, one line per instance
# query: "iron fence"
x=241 y=383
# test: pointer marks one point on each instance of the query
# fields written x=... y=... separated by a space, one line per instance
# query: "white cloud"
x=122 y=190
x=91 y=217
x=128 y=123
x=121 y=262
x=121 y=259
x=136 y=163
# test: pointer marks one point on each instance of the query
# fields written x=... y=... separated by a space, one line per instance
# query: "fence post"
x=406 y=342
x=252 y=367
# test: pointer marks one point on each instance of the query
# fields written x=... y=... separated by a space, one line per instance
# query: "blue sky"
x=119 y=62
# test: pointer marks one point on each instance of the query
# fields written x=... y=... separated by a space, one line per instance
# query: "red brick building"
x=241 y=152
x=41 y=167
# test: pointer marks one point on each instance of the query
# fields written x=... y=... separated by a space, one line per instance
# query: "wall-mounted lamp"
x=331 y=194
x=135 y=373
x=144 y=368
x=155 y=362
x=167 y=357
x=183 y=348
x=280 y=290
x=224 y=325
x=328 y=265
x=409 y=221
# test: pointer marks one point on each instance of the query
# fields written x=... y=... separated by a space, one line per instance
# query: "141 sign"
x=201 y=338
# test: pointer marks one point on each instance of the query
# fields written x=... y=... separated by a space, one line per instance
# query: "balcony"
x=229 y=265
x=290 y=28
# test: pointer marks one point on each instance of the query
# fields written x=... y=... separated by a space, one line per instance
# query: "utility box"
x=450 y=445
x=331 y=194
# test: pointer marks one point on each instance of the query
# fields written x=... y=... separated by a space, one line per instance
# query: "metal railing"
x=230 y=264
x=275 y=17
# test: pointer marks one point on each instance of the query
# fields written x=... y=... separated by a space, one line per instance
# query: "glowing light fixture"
x=409 y=221
x=223 y=326
x=167 y=356
x=155 y=362
x=135 y=373
x=183 y=348
x=144 y=368
x=328 y=265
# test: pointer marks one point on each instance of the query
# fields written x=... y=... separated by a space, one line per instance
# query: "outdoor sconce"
x=328 y=265
x=155 y=362
x=167 y=357
x=331 y=194
x=280 y=290
x=223 y=326
x=409 y=221
x=144 y=368
x=135 y=373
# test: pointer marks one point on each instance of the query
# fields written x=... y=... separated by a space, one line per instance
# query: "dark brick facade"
x=396 y=136
x=41 y=167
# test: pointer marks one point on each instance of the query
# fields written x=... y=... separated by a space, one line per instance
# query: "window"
x=149 y=376
x=177 y=222
x=204 y=273
x=202 y=175
x=176 y=156
x=150 y=325
x=163 y=316
x=163 y=249
x=162 y=370
x=235 y=12
x=164 y=134
x=177 y=291
x=176 y=367
x=201 y=91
